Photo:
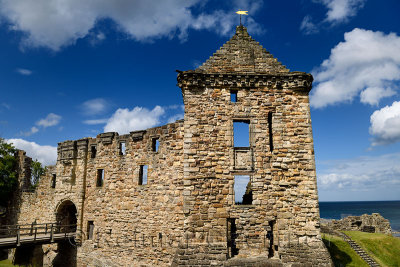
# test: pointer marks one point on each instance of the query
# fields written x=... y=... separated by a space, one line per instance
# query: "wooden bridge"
x=12 y=236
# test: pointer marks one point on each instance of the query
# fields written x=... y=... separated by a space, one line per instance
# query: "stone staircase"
x=371 y=262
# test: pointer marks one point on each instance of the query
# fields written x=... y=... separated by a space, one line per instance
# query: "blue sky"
x=72 y=69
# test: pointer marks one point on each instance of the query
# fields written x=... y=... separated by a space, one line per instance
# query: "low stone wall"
x=374 y=223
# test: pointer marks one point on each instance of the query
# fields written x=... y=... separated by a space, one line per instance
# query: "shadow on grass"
x=339 y=257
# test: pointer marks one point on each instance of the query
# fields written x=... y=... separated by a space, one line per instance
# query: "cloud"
x=175 y=117
x=33 y=130
x=5 y=106
x=124 y=120
x=361 y=174
x=366 y=64
x=51 y=120
x=94 y=106
x=58 y=23
x=341 y=10
x=94 y=122
x=47 y=155
x=307 y=26
x=25 y=72
x=385 y=125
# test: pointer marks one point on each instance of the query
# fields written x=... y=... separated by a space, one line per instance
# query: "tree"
x=37 y=171
x=8 y=171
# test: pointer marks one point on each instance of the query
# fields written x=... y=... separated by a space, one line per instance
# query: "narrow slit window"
x=271 y=139
x=53 y=181
x=100 y=178
x=243 y=190
x=155 y=144
x=90 y=230
x=122 y=148
x=93 y=151
x=143 y=174
x=234 y=96
x=241 y=134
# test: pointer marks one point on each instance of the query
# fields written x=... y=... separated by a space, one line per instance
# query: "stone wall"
x=283 y=180
x=132 y=223
x=374 y=223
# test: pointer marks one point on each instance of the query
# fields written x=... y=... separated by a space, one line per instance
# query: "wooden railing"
x=15 y=235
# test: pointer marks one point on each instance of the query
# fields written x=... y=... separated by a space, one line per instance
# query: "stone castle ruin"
x=167 y=196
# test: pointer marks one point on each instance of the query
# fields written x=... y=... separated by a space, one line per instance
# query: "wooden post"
x=51 y=234
x=34 y=239
x=45 y=231
x=18 y=236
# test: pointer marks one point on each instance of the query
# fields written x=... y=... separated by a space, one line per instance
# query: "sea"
x=338 y=210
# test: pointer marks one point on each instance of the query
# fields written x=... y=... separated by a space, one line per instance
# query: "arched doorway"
x=66 y=216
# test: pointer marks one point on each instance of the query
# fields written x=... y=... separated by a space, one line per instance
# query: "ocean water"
x=337 y=210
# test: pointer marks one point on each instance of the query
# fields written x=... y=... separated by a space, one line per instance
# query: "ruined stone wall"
x=283 y=180
x=141 y=224
x=374 y=223
x=135 y=224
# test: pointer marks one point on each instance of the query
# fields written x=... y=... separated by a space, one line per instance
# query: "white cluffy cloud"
x=366 y=64
x=58 y=23
x=385 y=125
x=339 y=11
x=25 y=72
x=361 y=174
x=124 y=120
x=94 y=106
x=50 y=120
x=47 y=155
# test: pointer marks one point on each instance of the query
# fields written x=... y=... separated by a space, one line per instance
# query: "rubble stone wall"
x=285 y=199
x=374 y=223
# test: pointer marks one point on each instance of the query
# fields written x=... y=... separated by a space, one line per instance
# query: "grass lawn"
x=385 y=249
x=341 y=252
x=6 y=263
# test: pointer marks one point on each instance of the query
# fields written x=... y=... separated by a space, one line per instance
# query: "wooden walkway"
x=12 y=236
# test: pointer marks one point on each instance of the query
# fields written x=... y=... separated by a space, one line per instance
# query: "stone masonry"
x=183 y=212
x=374 y=223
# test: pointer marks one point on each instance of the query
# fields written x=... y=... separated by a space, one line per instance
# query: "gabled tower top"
x=242 y=54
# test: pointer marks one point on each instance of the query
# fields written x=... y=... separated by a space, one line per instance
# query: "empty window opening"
x=143 y=174
x=234 y=96
x=122 y=148
x=270 y=237
x=241 y=133
x=53 y=181
x=90 y=230
x=93 y=151
x=155 y=144
x=271 y=139
x=100 y=177
x=231 y=235
x=243 y=190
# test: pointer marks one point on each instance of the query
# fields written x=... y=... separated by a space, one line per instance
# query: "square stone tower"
x=258 y=198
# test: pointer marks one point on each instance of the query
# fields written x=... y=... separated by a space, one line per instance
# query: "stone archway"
x=66 y=216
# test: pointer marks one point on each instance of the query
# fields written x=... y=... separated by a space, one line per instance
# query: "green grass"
x=6 y=263
x=385 y=249
x=341 y=253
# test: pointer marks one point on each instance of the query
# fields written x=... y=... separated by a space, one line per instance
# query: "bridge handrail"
x=36 y=229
